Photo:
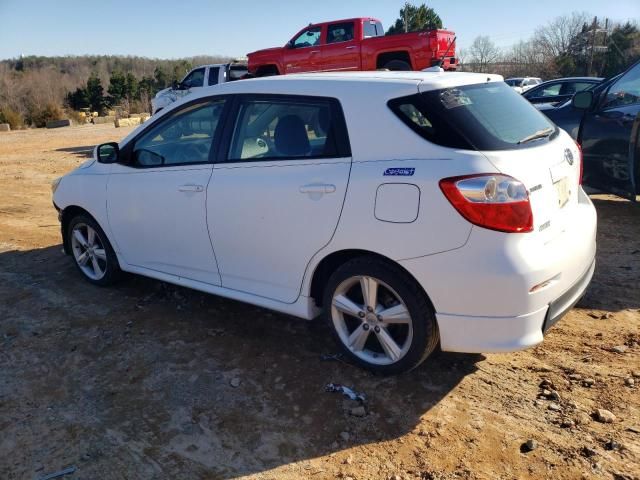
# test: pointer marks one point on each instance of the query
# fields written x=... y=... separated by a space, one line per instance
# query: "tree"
x=559 y=35
x=623 y=49
x=131 y=87
x=78 y=99
x=414 y=19
x=483 y=52
x=161 y=78
x=95 y=93
x=117 y=86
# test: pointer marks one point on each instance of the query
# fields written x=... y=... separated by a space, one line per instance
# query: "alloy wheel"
x=88 y=251
x=371 y=320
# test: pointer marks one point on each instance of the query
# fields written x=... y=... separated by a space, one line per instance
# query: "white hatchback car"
x=411 y=208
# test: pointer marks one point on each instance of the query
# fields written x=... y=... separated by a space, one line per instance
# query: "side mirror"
x=582 y=100
x=289 y=44
x=107 y=152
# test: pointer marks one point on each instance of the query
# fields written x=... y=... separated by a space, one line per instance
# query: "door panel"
x=157 y=202
x=277 y=199
x=341 y=51
x=609 y=135
x=606 y=146
x=304 y=52
x=158 y=218
x=268 y=219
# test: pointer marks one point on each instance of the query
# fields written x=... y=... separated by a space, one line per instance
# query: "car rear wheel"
x=380 y=316
x=92 y=252
x=398 y=66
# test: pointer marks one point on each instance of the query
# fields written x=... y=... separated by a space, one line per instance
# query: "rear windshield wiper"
x=539 y=134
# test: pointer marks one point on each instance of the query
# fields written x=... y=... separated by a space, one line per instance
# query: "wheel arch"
x=267 y=70
x=330 y=263
x=386 y=57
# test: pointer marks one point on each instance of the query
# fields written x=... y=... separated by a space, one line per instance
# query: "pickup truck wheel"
x=380 y=316
x=267 y=72
x=398 y=66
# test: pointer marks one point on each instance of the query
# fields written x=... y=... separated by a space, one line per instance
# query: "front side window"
x=549 y=91
x=185 y=138
x=214 y=74
x=286 y=129
x=626 y=91
x=340 y=32
x=194 y=79
x=487 y=116
x=309 y=38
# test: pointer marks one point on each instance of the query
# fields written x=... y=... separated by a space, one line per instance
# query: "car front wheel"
x=380 y=316
x=92 y=252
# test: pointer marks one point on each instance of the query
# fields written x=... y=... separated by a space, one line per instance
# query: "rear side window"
x=369 y=29
x=279 y=128
x=488 y=116
x=214 y=73
x=340 y=32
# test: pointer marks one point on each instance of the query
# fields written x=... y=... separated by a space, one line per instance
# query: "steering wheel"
x=191 y=153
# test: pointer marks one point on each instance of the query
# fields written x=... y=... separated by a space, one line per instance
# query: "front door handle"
x=351 y=47
x=318 y=188
x=190 y=188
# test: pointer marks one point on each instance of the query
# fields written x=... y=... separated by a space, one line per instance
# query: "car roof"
x=573 y=79
x=329 y=84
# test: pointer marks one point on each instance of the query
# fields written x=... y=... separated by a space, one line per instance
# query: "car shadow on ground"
x=155 y=380
x=82 y=152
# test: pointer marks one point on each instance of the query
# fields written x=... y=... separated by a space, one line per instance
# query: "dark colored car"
x=559 y=90
x=605 y=121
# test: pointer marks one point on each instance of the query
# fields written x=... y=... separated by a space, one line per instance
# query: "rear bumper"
x=565 y=302
x=501 y=292
x=507 y=334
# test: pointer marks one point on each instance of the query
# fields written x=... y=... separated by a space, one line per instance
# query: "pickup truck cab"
x=355 y=44
x=199 y=77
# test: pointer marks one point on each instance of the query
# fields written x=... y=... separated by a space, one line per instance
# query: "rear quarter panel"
x=383 y=143
x=415 y=43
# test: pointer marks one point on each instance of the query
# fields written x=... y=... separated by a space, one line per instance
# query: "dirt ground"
x=146 y=380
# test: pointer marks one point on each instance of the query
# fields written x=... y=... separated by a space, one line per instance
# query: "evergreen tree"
x=78 y=99
x=117 y=86
x=414 y=19
x=95 y=93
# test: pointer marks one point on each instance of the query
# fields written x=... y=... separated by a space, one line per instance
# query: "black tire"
x=425 y=338
x=398 y=66
x=112 y=272
x=267 y=72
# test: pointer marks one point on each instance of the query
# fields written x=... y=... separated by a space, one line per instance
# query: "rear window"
x=488 y=116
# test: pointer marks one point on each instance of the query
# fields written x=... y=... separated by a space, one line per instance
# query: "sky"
x=185 y=28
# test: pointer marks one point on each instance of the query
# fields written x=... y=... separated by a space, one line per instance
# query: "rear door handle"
x=350 y=47
x=318 y=188
x=190 y=188
x=314 y=51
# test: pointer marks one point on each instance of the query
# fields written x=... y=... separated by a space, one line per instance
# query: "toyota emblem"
x=568 y=156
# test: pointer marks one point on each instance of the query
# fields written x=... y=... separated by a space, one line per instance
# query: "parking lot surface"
x=148 y=380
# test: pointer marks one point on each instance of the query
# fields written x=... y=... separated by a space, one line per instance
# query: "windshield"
x=514 y=82
x=487 y=116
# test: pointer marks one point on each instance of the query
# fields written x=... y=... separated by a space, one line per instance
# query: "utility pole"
x=593 y=44
x=406 y=17
x=605 y=44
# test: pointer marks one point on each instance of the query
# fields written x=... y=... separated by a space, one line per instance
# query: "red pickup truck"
x=355 y=44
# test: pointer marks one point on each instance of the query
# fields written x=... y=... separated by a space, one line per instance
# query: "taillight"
x=493 y=201
x=581 y=160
